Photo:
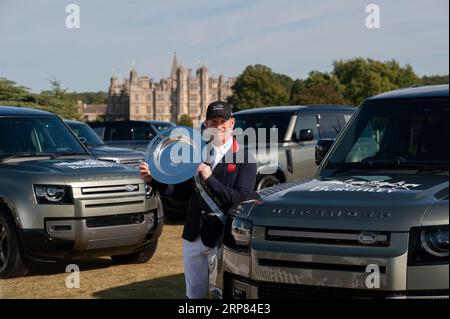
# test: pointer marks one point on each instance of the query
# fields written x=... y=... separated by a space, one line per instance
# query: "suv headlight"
x=53 y=195
x=238 y=234
x=429 y=245
x=148 y=191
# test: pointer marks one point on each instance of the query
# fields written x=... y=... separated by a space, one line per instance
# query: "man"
x=229 y=177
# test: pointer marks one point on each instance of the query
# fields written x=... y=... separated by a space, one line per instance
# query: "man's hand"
x=204 y=171
x=145 y=172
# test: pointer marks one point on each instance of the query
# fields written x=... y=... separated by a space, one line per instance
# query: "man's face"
x=222 y=129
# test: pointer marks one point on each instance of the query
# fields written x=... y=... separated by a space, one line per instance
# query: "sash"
x=211 y=201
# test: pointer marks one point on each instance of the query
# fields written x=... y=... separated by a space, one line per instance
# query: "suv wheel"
x=265 y=181
x=136 y=258
x=12 y=261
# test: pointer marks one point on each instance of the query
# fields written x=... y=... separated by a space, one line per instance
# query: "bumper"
x=91 y=237
x=273 y=270
x=236 y=287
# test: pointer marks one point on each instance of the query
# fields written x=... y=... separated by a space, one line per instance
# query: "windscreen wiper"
x=379 y=165
x=58 y=155
x=433 y=170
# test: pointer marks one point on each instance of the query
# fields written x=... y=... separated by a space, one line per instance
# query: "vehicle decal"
x=352 y=185
x=85 y=164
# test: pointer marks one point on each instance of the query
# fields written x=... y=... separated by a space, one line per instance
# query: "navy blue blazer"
x=231 y=183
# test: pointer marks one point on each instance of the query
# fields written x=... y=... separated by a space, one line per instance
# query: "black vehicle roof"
x=128 y=121
x=157 y=122
x=300 y=109
x=426 y=91
x=22 y=111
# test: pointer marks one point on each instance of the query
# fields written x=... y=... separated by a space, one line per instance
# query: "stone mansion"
x=139 y=98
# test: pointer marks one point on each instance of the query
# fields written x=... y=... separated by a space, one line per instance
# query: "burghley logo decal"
x=85 y=164
x=364 y=186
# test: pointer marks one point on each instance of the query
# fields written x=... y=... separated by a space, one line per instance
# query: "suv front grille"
x=326 y=237
x=115 y=220
x=316 y=266
x=128 y=189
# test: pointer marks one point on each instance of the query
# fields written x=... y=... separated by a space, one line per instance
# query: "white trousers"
x=196 y=259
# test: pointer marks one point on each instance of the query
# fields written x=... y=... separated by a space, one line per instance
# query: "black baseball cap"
x=219 y=109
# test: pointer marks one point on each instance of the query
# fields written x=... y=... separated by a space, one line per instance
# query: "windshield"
x=84 y=130
x=35 y=135
x=268 y=121
x=403 y=132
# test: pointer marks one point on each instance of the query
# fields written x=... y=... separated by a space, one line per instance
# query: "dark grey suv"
x=129 y=134
x=373 y=223
x=100 y=150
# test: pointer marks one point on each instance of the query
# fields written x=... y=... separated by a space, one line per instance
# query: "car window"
x=162 y=126
x=100 y=131
x=120 y=132
x=306 y=122
x=328 y=126
x=269 y=121
x=141 y=131
x=368 y=144
x=410 y=131
x=36 y=135
x=84 y=130
x=343 y=120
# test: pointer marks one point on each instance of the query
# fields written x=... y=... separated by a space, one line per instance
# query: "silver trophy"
x=174 y=155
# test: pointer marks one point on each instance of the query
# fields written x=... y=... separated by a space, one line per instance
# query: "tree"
x=10 y=91
x=258 y=86
x=55 y=100
x=185 y=120
x=435 y=79
x=362 y=78
x=318 y=88
x=319 y=94
x=285 y=81
x=58 y=101
x=89 y=97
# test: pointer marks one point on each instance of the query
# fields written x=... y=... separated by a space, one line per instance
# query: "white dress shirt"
x=218 y=152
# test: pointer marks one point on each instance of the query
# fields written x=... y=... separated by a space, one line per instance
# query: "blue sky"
x=292 y=37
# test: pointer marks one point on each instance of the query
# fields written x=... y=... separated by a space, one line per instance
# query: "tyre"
x=12 y=261
x=136 y=258
x=265 y=181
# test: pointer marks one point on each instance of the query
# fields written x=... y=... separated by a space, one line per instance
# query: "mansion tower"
x=139 y=98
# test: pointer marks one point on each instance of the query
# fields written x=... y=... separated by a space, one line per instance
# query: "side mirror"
x=84 y=141
x=322 y=148
x=306 y=135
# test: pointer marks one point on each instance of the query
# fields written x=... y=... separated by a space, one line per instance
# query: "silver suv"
x=58 y=203
x=298 y=130
x=372 y=223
